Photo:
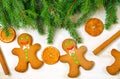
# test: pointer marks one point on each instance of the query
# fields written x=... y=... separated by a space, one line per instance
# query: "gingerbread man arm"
x=86 y=64
x=115 y=52
x=64 y=58
x=16 y=51
x=36 y=46
x=83 y=51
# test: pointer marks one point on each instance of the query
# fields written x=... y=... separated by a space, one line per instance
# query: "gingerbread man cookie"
x=27 y=53
x=115 y=67
x=75 y=57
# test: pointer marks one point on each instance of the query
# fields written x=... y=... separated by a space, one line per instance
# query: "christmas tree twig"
x=43 y=14
x=111 y=11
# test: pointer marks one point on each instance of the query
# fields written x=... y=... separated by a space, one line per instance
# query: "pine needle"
x=111 y=12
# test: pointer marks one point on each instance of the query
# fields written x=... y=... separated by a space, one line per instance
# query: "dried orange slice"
x=10 y=37
x=94 y=27
x=50 y=55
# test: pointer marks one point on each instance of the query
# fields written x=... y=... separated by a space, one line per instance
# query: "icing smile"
x=25 y=43
x=70 y=48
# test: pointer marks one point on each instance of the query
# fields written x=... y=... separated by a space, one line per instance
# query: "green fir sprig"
x=111 y=11
x=54 y=14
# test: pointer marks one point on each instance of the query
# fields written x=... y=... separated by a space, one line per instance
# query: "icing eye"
x=71 y=42
x=66 y=44
x=27 y=37
x=21 y=38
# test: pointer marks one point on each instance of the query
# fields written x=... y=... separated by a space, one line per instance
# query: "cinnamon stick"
x=107 y=42
x=3 y=63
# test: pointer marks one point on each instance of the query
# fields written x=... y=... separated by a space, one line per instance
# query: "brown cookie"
x=94 y=27
x=11 y=36
x=115 y=67
x=27 y=53
x=75 y=57
x=50 y=55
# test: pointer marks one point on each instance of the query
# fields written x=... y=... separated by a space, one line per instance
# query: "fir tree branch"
x=73 y=32
x=85 y=6
x=3 y=14
x=68 y=12
x=13 y=13
x=23 y=14
x=45 y=13
x=39 y=26
x=48 y=20
x=99 y=3
x=70 y=7
x=111 y=13
x=51 y=34
x=54 y=14
x=86 y=12
x=39 y=20
x=4 y=19
x=90 y=9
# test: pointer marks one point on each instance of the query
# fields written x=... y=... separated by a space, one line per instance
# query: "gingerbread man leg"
x=115 y=67
x=74 y=70
x=86 y=64
x=35 y=63
x=22 y=65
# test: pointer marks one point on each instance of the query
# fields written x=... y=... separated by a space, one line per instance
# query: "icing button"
x=26 y=50
x=27 y=57
x=76 y=62
x=75 y=58
x=72 y=54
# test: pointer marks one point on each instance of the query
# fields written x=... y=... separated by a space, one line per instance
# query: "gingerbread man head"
x=69 y=45
x=24 y=39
